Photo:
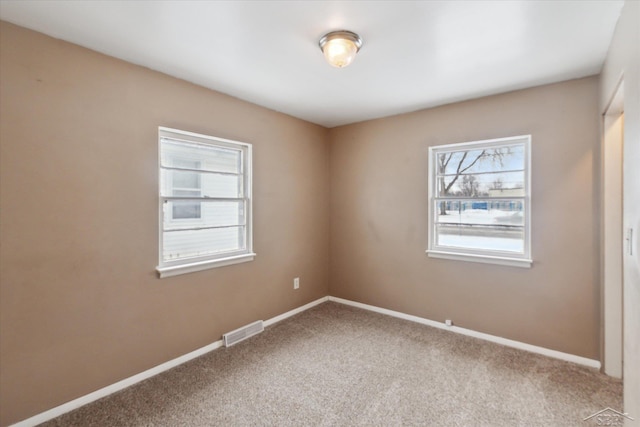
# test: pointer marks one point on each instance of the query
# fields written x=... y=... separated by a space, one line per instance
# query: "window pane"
x=196 y=243
x=185 y=210
x=482 y=184
x=502 y=158
x=186 y=179
x=481 y=224
x=205 y=157
x=213 y=213
x=210 y=184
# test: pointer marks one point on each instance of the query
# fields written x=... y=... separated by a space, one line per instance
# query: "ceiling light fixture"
x=340 y=47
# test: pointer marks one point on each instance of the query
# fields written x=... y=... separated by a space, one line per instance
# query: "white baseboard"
x=127 y=382
x=492 y=338
x=295 y=311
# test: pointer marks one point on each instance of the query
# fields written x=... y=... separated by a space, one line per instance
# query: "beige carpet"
x=335 y=365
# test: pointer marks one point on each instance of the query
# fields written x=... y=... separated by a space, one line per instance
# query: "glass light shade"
x=340 y=47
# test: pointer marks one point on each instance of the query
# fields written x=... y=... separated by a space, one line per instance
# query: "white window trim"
x=483 y=256
x=192 y=267
x=177 y=267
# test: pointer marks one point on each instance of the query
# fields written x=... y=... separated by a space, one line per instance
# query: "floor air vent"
x=240 y=334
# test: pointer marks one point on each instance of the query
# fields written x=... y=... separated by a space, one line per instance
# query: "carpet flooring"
x=335 y=365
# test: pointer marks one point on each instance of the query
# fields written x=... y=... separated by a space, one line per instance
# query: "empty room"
x=319 y=213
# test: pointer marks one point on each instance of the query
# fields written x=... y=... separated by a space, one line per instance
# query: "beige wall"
x=81 y=305
x=624 y=59
x=379 y=218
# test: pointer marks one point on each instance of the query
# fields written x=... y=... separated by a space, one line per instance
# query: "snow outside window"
x=205 y=202
x=479 y=201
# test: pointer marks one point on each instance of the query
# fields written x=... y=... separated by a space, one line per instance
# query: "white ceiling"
x=415 y=54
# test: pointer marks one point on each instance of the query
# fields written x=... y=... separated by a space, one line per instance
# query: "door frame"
x=612 y=233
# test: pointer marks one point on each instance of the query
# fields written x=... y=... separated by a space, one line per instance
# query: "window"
x=205 y=202
x=479 y=201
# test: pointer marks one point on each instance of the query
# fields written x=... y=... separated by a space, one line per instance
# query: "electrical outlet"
x=296 y=283
x=448 y=322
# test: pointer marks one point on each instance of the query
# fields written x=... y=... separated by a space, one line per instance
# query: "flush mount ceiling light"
x=340 y=47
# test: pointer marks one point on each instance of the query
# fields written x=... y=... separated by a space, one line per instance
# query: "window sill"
x=487 y=259
x=175 y=270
